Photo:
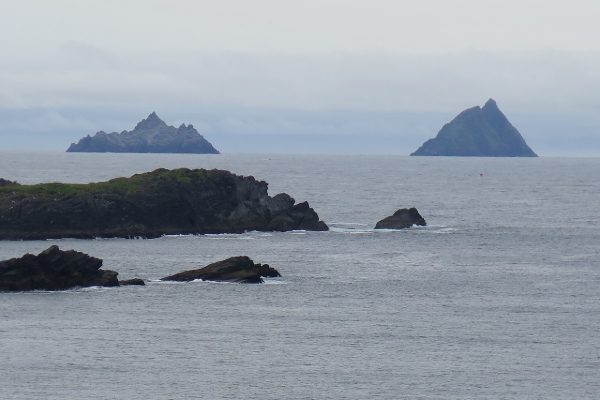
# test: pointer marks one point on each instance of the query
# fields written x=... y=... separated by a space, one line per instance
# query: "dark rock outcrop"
x=54 y=269
x=235 y=269
x=478 y=132
x=5 y=182
x=150 y=135
x=403 y=218
x=132 y=282
x=151 y=204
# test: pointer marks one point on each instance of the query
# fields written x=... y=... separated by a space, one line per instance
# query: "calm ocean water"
x=498 y=298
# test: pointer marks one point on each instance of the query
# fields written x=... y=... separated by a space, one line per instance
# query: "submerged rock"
x=150 y=135
x=477 y=132
x=403 y=218
x=235 y=269
x=54 y=269
x=162 y=202
x=132 y=282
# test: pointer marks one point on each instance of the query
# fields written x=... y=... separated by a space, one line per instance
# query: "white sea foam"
x=347 y=223
x=267 y=281
x=231 y=238
x=414 y=228
x=158 y=281
x=209 y=281
x=184 y=235
x=434 y=229
x=90 y=289
x=351 y=230
x=274 y=281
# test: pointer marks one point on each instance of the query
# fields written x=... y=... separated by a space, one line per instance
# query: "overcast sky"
x=307 y=72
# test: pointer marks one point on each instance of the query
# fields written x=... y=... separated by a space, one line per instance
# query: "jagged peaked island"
x=151 y=204
x=478 y=132
x=150 y=135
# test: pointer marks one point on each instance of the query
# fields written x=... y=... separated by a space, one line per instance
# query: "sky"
x=324 y=76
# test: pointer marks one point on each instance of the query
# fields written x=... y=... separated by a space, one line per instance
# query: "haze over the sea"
x=325 y=76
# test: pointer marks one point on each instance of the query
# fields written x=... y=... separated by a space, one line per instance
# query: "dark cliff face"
x=150 y=135
x=478 y=132
x=152 y=204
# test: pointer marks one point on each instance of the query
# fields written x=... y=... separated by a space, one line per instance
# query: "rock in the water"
x=478 y=132
x=235 y=269
x=151 y=204
x=150 y=135
x=132 y=282
x=54 y=269
x=403 y=218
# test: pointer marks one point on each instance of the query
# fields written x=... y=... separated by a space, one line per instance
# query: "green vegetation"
x=124 y=186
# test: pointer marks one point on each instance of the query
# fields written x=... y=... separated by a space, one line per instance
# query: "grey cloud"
x=530 y=82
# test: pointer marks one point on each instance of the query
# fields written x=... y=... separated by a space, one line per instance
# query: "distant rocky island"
x=150 y=135
x=180 y=201
x=478 y=132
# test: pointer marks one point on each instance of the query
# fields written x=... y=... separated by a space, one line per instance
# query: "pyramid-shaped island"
x=150 y=135
x=478 y=132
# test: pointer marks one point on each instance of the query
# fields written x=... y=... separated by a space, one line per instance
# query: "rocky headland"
x=180 y=201
x=401 y=219
x=478 y=132
x=235 y=269
x=151 y=135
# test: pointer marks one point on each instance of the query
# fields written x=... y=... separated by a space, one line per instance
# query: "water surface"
x=497 y=298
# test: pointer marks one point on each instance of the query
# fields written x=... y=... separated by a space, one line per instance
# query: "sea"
x=498 y=297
